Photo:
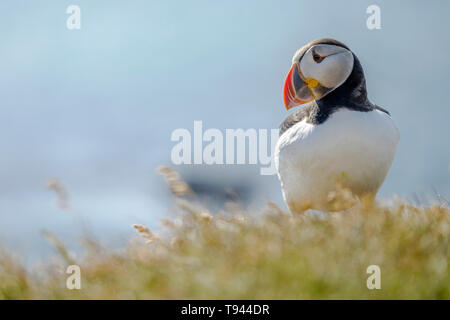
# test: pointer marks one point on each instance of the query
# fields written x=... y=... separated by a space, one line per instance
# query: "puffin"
x=337 y=138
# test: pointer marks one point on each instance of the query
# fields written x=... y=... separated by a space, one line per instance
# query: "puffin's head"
x=318 y=68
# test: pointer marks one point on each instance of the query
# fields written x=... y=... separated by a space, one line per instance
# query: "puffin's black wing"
x=316 y=115
x=381 y=109
x=296 y=117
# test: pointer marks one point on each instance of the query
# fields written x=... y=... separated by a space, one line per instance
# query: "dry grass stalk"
x=145 y=233
x=63 y=196
x=173 y=179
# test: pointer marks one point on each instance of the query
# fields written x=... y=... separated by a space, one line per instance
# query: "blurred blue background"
x=95 y=107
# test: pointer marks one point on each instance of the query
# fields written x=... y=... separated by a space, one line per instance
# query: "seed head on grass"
x=63 y=196
x=173 y=179
x=145 y=232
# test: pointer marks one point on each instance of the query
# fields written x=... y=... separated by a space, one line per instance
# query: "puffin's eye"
x=317 y=57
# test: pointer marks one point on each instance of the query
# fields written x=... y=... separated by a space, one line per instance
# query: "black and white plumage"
x=338 y=136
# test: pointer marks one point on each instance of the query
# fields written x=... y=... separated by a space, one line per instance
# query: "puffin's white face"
x=322 y=68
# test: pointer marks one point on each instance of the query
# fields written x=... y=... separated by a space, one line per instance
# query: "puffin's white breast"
x=351 y=147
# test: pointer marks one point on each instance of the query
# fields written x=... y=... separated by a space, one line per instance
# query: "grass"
x=235 y=254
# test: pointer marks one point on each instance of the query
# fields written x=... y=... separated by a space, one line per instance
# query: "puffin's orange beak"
x=295 y=90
